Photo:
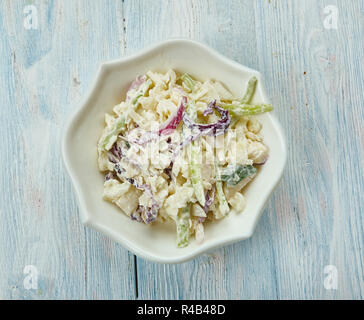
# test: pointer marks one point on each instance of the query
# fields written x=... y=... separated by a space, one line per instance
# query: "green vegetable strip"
x=224 y=207
x=183 y=227
x=247 y=109
x=196 y=174
x=117 y=127
x=234 y=174
x=135 y=100
x=195 y=165
x=142 y=91
x=244 y=108
x=119 y=123
x=250 y=90
x=188 y=81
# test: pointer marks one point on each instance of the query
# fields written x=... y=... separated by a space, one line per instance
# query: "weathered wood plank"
x=44 y=72
x=312 y=78
x=314 y=217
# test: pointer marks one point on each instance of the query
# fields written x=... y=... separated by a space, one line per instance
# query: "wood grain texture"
x=44 y=72
x=314 y=77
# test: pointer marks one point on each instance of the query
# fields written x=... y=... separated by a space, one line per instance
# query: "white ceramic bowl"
x=157 y=242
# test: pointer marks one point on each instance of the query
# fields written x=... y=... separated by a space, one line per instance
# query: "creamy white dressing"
x=147 y=178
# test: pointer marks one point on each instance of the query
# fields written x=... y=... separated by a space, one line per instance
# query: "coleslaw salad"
x=181 y=149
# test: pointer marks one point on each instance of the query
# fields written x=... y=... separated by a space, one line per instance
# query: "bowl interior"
x=157 y=242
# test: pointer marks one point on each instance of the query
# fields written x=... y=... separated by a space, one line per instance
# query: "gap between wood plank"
x=136 y=277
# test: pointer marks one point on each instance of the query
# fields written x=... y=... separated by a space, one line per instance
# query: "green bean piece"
x=252 y=83
x=242 y=110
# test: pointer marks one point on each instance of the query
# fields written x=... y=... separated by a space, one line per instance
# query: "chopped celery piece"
x=117 y=127
x=135 y=100
x=142 y=91
x=247 y=109
x=195 y=163
x=250 y=90
x=188 y=81
x=232 y=175
x=196 y=174
x=183 y=227
x=224 y=207
x=244 y=108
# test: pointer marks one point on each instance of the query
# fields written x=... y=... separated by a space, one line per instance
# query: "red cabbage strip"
x=137 y=215
x=109 y=175
x=116 y=153
x=215 y=129
x=151 y=213
x=173 y=123
x=167 y=128
x=211 y=129
x=168 y=171
x=210 y=198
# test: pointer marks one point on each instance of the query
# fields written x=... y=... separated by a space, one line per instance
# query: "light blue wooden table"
x=314 y=74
